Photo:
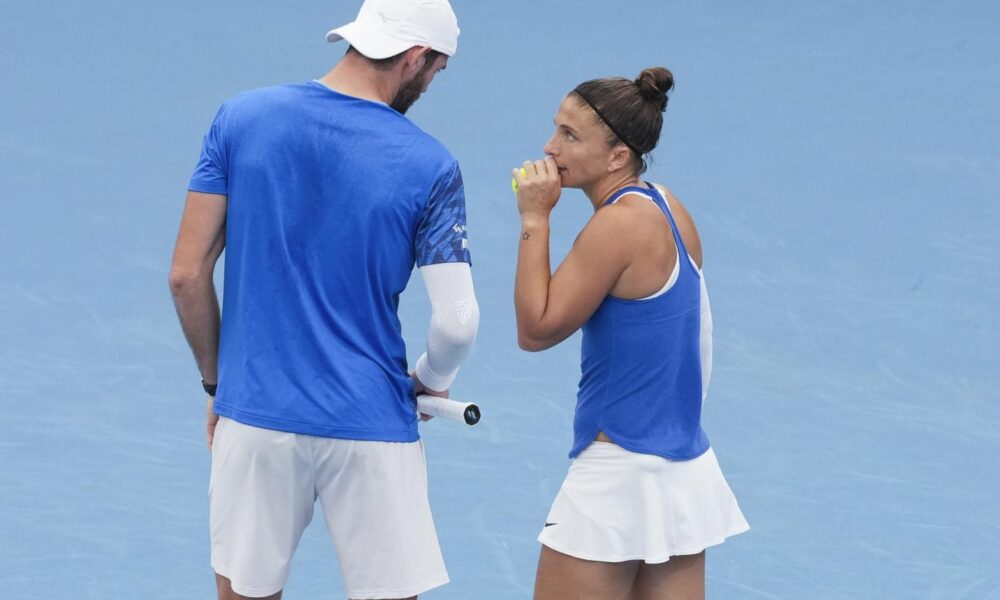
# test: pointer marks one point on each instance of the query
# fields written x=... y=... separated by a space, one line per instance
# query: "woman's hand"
x=538 y=188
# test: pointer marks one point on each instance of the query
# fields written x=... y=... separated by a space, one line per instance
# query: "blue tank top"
x=641 y=365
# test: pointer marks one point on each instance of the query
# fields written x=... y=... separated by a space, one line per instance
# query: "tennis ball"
x=513 y=180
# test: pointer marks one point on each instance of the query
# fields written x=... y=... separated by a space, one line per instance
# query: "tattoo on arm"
x=525 y=236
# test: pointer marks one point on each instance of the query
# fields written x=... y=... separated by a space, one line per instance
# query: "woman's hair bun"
x=654 y=83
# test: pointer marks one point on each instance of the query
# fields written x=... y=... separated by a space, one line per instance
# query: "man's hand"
x=211 y=420
x=420 y=388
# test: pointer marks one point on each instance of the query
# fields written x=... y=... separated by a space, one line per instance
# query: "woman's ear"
x=620 y=156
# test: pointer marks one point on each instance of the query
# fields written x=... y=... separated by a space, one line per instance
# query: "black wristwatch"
x=209 y=387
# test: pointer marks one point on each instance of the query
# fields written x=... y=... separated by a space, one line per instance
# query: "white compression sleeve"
x=706 y=340
x=454 y=323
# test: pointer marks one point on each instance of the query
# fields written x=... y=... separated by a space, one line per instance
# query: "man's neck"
x=353 y=76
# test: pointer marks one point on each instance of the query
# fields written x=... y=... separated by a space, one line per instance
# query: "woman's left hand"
x=538 y=187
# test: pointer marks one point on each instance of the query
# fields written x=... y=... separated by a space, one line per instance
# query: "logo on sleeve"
x=463 y=309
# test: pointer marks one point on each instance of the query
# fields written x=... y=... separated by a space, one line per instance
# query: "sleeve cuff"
x=430 y=379
x=208 y=187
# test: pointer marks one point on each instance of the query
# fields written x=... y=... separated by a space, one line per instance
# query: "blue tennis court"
x=841 y=160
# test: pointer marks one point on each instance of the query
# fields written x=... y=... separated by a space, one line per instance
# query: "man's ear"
x=414 y=60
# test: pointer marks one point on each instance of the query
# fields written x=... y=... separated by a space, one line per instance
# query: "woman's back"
x=641 y=382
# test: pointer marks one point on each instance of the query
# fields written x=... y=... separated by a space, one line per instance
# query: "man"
x=324 y=196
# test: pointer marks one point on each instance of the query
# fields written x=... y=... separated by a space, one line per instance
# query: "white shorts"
x=264 y=485
x=616 y=505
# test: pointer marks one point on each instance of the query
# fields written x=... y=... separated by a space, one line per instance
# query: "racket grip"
x=463 y=412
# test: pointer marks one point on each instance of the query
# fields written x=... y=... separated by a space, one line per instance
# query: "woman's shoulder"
x=685 y=222
x=676 y=206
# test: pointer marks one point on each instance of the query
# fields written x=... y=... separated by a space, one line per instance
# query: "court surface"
x=841 y=160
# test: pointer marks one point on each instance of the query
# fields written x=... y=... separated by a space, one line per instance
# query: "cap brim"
x=368 y=41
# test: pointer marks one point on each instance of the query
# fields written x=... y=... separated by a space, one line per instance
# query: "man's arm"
x=454 y=324
x=200 y=241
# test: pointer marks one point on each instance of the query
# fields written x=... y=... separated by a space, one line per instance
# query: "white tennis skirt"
x=616 y=505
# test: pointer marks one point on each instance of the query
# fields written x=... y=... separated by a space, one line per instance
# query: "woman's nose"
x=550 y=147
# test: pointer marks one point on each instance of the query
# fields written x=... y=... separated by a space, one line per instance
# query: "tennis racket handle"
x=463 y=412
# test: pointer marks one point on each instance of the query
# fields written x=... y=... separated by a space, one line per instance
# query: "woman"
x=644 y=495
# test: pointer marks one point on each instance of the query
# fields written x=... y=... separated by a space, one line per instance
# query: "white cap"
x=386 y=28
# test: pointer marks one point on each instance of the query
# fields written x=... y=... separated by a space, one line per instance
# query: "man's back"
x=331 y=201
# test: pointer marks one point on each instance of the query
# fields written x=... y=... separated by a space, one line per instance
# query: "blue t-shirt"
x=331 y=201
